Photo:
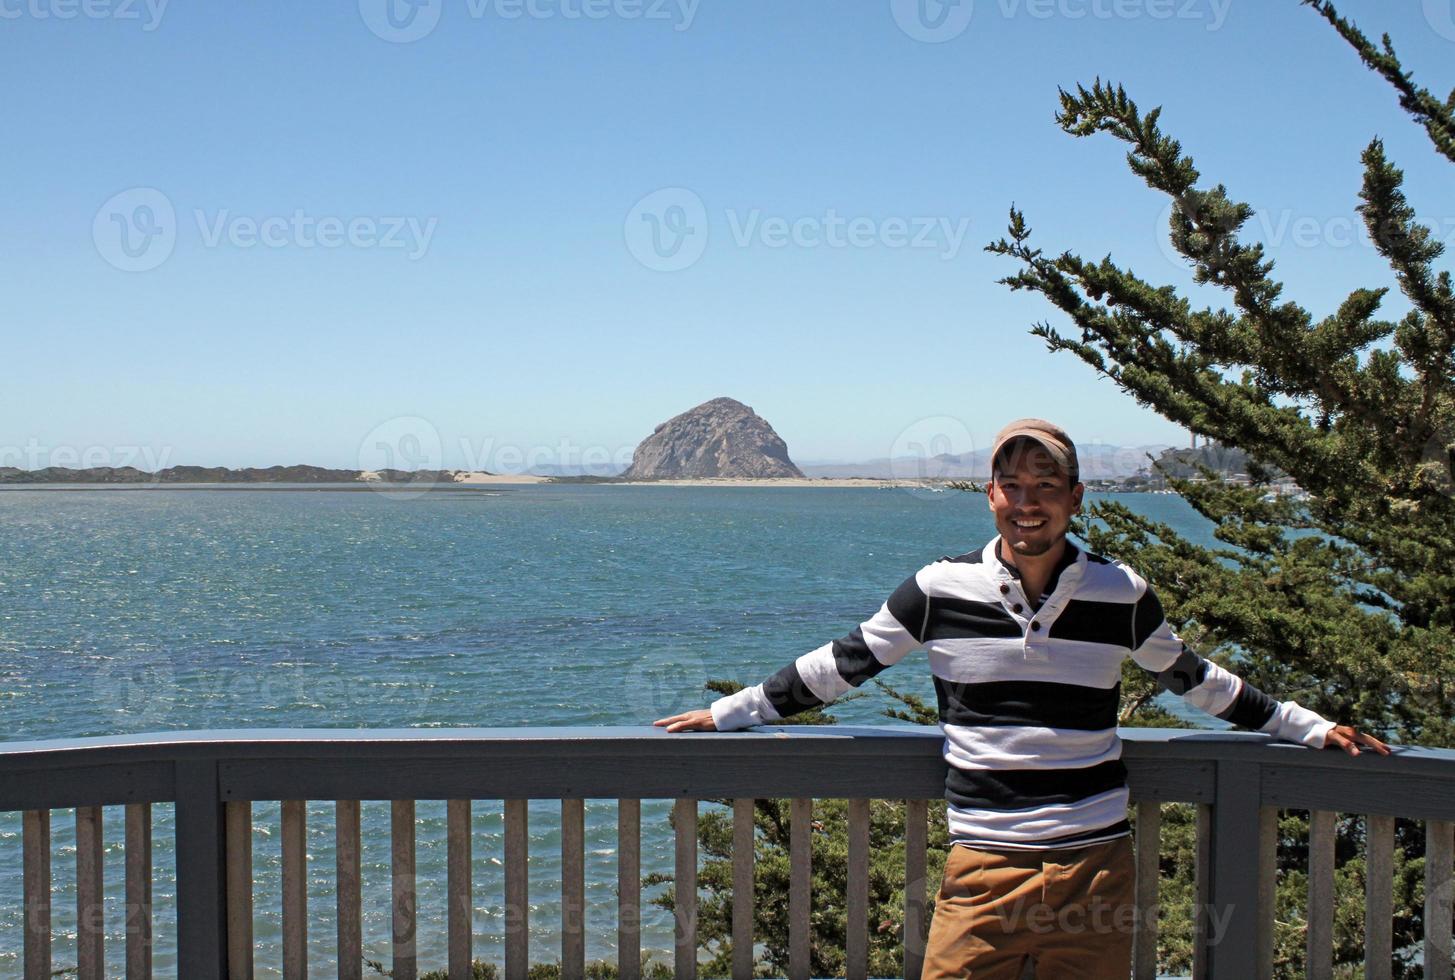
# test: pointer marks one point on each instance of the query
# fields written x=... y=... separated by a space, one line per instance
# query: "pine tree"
x=1340 y=597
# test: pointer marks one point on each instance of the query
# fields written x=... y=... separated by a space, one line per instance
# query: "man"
x=1026 y=639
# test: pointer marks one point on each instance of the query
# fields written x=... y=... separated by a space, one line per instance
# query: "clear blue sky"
x=525 y=308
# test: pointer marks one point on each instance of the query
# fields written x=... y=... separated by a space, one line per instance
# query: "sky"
x=491 y=233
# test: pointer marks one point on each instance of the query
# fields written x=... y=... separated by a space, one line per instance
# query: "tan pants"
x=1070 y=912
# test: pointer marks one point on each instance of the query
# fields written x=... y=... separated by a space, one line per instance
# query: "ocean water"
x=133 y=611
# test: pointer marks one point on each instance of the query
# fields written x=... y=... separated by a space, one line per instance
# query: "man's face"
x=1032 y=499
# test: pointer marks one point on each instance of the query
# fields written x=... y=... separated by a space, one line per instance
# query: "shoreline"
x=778 y=481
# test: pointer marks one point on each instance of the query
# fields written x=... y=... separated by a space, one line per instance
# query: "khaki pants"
x=1070 y=912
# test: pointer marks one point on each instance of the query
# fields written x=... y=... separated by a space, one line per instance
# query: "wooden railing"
x=1238 y=783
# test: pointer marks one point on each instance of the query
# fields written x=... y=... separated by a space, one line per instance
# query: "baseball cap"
x=1048 y=436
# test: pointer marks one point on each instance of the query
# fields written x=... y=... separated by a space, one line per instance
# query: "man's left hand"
x=1349 y=738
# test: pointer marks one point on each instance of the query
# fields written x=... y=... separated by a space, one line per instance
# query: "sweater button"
x=1016 y=608
x=1004 y=589
x=1035 y=625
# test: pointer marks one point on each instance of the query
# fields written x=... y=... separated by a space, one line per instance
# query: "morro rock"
x=723 y=438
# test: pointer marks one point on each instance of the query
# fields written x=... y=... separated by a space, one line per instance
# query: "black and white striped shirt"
x=1028 y=693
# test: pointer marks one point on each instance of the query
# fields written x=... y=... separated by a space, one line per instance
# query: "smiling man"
x=1026 y=638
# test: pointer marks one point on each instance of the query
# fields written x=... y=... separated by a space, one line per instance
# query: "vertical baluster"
x=1439 y=907
x=1267 y=887
x=916 y=831
x=238 y=828
x=573 y=889
x=201 y=861
x=1319 y=951
x=856 y=941
x=742 y=889
x=800 y=856
x=401 y=820
x=348 y=883
x=90 y=885
x=685 y=889
x=36 y=875
x=1202 y=888
x=295 y=890
x=1149 y=856
x=461 y=913
x=1379 y=898
x=517 y=891
x=139 y=891
x=629 y=889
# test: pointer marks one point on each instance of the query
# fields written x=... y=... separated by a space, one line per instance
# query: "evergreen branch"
x=1437 y=117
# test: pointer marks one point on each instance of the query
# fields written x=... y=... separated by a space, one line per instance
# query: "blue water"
x=132 y=611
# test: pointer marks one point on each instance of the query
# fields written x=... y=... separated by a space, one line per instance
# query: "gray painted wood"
x=461 y=916
x=1319 y=942
x=1378 y=790
x=856 y=901
x=1149 y=850
x=800 y=882
x=684 y=822
x=1233 y=950
x=66 y=787
x=629 y=889
x=90 y=889
x=573 y=889
x=1439 y=900
x=1379 y=898
x=1172 y=780
x=201 y=871
x=1267 y=888
x=239 y=829
x=849 y=761
x=743 y=860
x=348 y=885
x=402 y=887
x=517 y=890
x=1202 y=887
x=647 y=777
x=36 y=892
x=200 y=769
x=916 y=921
x=138 y=891
x=294 y=836
x=33 y=761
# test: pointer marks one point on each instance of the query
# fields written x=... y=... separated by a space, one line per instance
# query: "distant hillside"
x=218 y=474
x=1099 y=461
x=719 y=438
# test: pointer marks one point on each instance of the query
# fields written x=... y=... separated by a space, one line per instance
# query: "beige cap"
x=1050 y=437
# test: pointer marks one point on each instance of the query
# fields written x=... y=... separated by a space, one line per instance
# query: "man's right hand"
x=692 y=721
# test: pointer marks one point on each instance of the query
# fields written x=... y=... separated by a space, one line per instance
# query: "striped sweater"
x=1028 y=692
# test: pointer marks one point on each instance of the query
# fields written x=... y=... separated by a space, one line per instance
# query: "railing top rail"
x=883 y=762
x=867 y=740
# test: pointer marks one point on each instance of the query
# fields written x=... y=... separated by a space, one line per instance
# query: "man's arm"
x=1203 y=684
x=821 y=675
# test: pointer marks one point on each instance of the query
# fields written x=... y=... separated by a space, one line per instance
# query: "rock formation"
x=722 y=438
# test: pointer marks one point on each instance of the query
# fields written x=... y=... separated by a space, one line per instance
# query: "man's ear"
x=1076 y=494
